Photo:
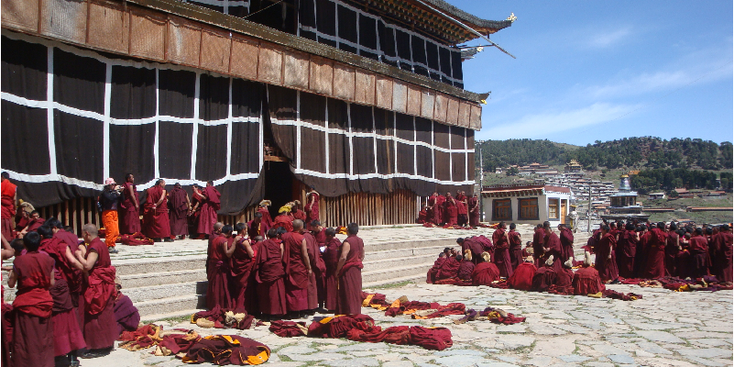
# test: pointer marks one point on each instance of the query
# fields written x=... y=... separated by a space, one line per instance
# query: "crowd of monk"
x=277 y=268
x=546 y=261
x=449 y=211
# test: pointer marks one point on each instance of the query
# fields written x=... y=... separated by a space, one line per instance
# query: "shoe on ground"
x=112 y=250
x=167 y=239
x=96 y=353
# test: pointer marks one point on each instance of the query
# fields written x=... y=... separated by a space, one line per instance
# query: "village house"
x=529 y=204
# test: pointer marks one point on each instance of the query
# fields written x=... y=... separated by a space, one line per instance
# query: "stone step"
x=155 y=292
x=171 y=277
x=387 y=265
x=402 y=253
x=387 y=275
x=161 y=308
x=397 y=245
x=417 y=278
x=159 y=265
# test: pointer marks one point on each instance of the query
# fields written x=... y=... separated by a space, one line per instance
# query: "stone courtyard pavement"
x=664 y=328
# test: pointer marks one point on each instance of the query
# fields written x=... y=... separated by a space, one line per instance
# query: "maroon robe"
x=297 y=278
x=643 y=248
x=67 y=334
x=544 y=278
x=239 y=277
x=97 y=304
x=33 y=344
x=516 y=257
x=34 y=224
x=699 y=250
x=466 y=269
x=473 y=204
x=723 y=242
x=606 y=263
x=318 y=269
x=179 y=210
x=209 y=208
x=349 y=301
x=433 y=211
x=522 y=278
x=217 y=268
x=156 y=220
x=440 y=212
x=284 y=220
x=475 y=247
x=671 y=253
x=485 y=273
x=269 y=277
x=656 y=254
x=449 y=269
x=130 y=222
x=433 y=271
x=502 y=252
x=255 y=229
x=566 y=238
x=7 y=201
x=626 y=252
x=450 y=212
x=553 y=246
x=312 y=209
x=331 y=260
x=267 y=221
x=587 y=281
x=564 y=278
x=538 y=240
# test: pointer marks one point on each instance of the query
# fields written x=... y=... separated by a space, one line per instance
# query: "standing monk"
x=96 y=305
x=130 y=206
x=312 y=206
x=474 y=214
x=331 y=261
x=296 y=212
x=255 y=227
x=502 y=251
x=349 y=271
x=627 y=250
x=699 y=254
x=179 y=204
x=297 y=268
x=606 y=262
x=450 y=211
x=267 y=220
x=156 y=221
x=551 y=247
x=515 y=246
x=538 y=241
x=209 y=207
x=284 y=219
x=219 y=252
x=8 y=199
x=723 y=241
x=317 y=275
x=461 y=210
x=109 y=200
x=566 y=242
x=33 y=337
x=270 y=275
x=672 y=248
x=242 y=260
x=440 y=210
x=656 y=253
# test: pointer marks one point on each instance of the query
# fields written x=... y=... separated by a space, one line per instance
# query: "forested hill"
x=641 y=153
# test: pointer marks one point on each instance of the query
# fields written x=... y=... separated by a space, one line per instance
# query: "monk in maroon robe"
x=723 y=241
x=450 y=210
x=522 y=278
x=349 y=272
x=297 y=213
x=179 y=204
x=656 y=254
x=210 y=205
x=218 y=269
x=698 y=248
x=485 y=272
x=270 y=276
x=267 y=220
x=466 y=268
x=461 y=209
x=672 y=248
x=626 y=251
x=312 y=206
x=297 y=268
x=502 y=251
x=515 y=240
x=538 y=241
x=242 y=261
x=473 y=246
x=643 y=247
x=284 y=219
x=433 y=210
x=566 y=237
x=33 y=344
x=606 y=262
x=437 y=265
x=546 y=276
x=586 y=280
x=157 y=224
x=8 y=198
x=97 y=302
x=331 y=261
x=319 y=270
x=129 y=207
x=551 y=246
x=255 y=227
x=68 y=336
x=474 y=214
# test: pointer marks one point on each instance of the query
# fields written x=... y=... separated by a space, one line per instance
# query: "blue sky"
x=605 y=70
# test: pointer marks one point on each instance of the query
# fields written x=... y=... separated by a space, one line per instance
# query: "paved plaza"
x=664 y=328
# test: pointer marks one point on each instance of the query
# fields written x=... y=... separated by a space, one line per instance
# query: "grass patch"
x=177 y=319
x=394 y=285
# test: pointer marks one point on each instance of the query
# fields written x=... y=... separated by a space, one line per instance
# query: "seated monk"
x=522 y=277
x=545 y=276
x=485 y=272
x=450 y=268
x=587 y=280
x=431 y=276
x=564 y=277
x=467 y=267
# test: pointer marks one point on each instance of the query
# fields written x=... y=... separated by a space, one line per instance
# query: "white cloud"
x=544 y=124
x=609 y=38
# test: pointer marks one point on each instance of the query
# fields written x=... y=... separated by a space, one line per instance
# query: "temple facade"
x=361 y=100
